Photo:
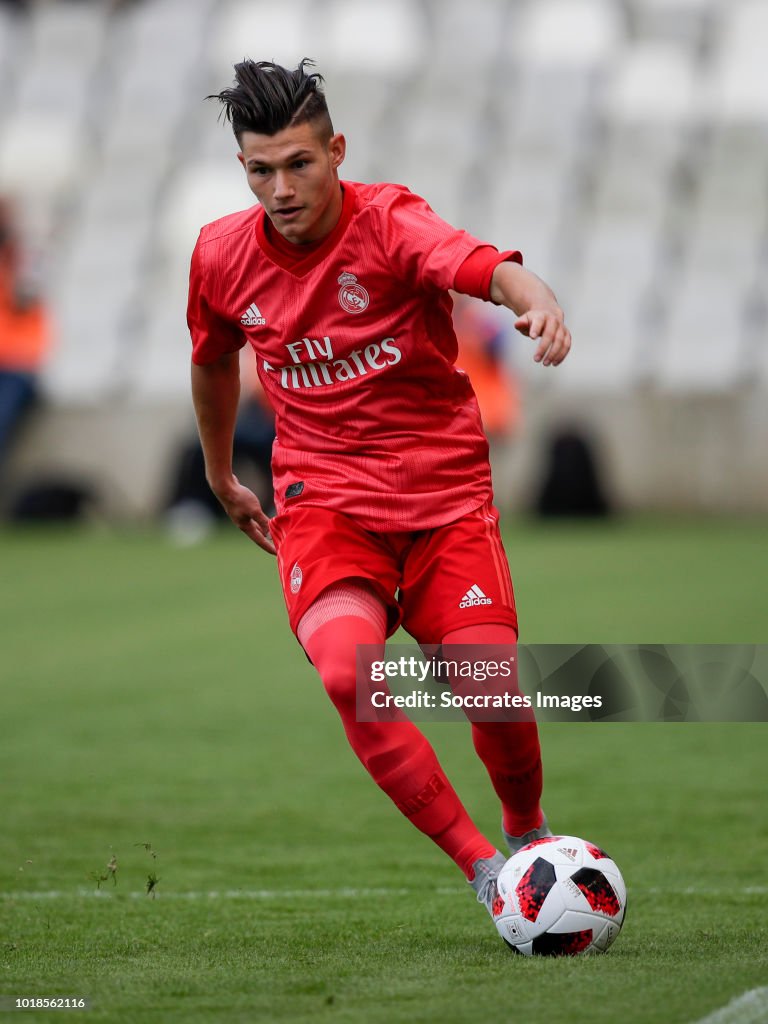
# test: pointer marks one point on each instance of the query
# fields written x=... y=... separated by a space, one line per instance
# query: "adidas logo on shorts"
x=474 y=597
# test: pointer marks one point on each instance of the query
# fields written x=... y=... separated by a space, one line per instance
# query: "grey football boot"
x=516 y=843
x=484 y=883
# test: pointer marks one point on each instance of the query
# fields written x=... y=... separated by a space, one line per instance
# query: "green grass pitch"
x=155 y=708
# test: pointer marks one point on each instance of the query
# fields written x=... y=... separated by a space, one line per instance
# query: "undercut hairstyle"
x=266 y=98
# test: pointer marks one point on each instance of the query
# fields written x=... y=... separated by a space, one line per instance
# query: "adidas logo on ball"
x=474 y=597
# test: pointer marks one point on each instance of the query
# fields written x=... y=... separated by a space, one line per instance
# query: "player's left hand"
x=549 y=327
x=244 y=509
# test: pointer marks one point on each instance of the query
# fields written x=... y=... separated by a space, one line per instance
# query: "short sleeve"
x=424 y=250
x=212 y=336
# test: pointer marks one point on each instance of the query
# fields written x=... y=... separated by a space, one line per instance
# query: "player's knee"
x=339 y=683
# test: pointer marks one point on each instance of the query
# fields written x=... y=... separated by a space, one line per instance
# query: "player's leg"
x=395 y=752
x=457 y=590
x=510 y=751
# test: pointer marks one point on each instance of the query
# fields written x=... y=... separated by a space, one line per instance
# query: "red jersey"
x=355 y=349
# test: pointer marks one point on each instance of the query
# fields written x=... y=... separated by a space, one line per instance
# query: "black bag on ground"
x=572 y=485
x=50 y=501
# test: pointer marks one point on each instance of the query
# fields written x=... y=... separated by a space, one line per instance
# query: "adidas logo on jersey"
x=252 y=317
x=474 y=597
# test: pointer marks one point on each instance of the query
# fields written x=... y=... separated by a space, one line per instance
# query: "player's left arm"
x=538 y=314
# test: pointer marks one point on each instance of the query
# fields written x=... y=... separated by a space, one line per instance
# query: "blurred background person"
x=485 y=356
x=193 y=510
x=25 y=331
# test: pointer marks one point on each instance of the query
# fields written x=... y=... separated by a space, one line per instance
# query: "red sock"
x=510 y=751
x=395 y=753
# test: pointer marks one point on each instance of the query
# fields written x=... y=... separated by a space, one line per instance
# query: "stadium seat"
x=363 y=35
x=359 y=102
x=739 y=85
x=262 y=30
x=703 y=350
x=731 y=203
x=58 y=89
x=646 y=107
x=152 y=22
x=88 y=365
x=26 y=145
x=568 y=32
x=620 y=254
x=733 y=170
x=669 y=7
x=631 y=181
x=63 y=46
x=717 y=245
x=524 y=211
x=469 y=37
x=545 y=113
x=68 y=27
x=687 y=24
x=161 y=369
x=93 y=334
x=605 y=332
x=196 y=196
x=654 y=83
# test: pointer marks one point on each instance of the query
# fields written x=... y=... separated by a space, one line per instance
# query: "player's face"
x=294 y=175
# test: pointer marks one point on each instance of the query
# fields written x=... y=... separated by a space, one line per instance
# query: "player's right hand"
x=244 y=509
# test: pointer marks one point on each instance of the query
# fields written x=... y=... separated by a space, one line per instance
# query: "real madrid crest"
x=352 y=296
x=297 y=578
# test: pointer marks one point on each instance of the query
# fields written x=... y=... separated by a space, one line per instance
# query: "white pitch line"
x=748 y=1008
x=213 y=894
x=333 y=894
x=693 y=890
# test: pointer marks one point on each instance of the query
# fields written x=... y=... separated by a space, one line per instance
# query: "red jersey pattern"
x=355 y=350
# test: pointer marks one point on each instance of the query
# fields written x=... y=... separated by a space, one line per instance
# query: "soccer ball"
x=559 y=896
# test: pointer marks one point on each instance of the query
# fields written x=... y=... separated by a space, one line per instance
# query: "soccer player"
x=382 y=482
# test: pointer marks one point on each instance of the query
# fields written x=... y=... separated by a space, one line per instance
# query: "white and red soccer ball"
x=560 y=896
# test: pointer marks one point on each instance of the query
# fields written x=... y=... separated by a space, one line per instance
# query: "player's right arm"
x=215 y=395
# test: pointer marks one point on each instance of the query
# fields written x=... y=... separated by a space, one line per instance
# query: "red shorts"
x=432 y=581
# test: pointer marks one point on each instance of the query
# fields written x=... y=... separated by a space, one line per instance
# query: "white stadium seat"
x=161 y=367
x=73 y=31
x=739 y=82
x=655 y=83
x=368 y=36
x=469 y=36
x=687 y=24
x=606 y=338
x=703 y=348
x=195 y=197
x=262 y=30
x=568 y=32
x=26 y=145
x=87 y=365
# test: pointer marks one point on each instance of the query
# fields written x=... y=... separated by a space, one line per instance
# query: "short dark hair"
x=266 y=98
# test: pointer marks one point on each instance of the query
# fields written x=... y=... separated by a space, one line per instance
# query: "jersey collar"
x=298 y=259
